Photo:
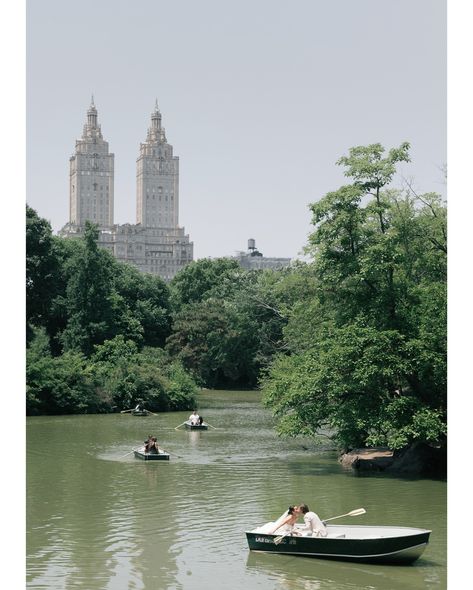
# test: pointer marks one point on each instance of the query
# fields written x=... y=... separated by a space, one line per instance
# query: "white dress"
x=272 y=527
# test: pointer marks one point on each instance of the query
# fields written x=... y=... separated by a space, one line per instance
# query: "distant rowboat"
x=161 y=456
x=140 y=413
x=188 y=424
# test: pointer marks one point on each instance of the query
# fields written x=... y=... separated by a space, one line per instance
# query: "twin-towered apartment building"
x=155 y=244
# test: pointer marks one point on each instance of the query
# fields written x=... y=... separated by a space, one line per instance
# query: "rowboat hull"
x=389 y=545
x=190 y=426
x=140 y=413
x=151 y=457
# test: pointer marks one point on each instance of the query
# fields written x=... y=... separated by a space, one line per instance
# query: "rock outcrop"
x=419 y=459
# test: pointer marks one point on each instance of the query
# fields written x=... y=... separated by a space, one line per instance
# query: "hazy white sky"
x=258 y=98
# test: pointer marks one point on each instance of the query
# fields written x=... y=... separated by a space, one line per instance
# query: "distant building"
x=91 y=174
x=253 y=259
x=155 y=244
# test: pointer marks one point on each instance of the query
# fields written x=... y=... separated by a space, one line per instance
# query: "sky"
x=259 y=100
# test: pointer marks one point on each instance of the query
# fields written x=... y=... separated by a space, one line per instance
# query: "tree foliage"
x=80 y=298
x=42 y=270
x=368 y=350
x=116 y=376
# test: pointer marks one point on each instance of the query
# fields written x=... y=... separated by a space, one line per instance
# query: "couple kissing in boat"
x=286 y=523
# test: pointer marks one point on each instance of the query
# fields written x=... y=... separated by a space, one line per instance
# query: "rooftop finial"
x=92 y=101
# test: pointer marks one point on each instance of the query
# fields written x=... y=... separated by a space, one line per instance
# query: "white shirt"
x=313 y=524
x=194 y=418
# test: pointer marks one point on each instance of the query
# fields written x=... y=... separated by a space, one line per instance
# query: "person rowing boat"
x=151 y=445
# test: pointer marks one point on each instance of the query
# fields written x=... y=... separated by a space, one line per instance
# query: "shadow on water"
x=319 y=574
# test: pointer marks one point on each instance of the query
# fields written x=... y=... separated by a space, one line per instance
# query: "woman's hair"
x=290 y=510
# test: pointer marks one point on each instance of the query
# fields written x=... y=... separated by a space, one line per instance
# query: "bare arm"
x=279 y=524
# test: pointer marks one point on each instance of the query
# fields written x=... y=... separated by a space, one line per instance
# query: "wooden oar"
x=211 y=426
x=357 y=512
x=125 y=411
x=277 y=540
x=173 y=454
x=180 y=425
x=128 y=453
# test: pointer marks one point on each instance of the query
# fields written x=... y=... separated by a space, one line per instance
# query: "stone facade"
x=155 y=244
x=91 y=173
x=157 y=179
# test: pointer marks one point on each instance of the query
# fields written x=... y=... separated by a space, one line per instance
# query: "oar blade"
x=357 y=512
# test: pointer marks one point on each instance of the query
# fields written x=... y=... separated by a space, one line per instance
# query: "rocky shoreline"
x=419 y=459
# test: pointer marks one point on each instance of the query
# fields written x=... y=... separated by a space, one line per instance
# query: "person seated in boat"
x=285 y=525
x=194 y=418
x=139 y=407
x=201 y=420
x=313 y=526
x=153 y=448
x=147 y=441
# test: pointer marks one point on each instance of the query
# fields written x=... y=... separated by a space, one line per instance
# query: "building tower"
x=155 y=244
x=91 y=173
x=157 y=179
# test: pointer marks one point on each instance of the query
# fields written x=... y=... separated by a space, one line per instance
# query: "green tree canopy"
x=200 y=279
x=368 y=346
x=42 y=271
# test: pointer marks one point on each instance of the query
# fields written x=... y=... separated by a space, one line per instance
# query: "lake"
x=97 y=518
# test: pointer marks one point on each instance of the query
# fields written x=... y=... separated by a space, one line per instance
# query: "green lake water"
x=99 y=519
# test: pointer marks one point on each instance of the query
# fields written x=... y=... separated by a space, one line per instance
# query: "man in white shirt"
x=313 y=526
x=194 y=417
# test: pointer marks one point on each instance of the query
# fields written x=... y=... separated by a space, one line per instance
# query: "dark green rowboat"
x=190 y=426
x=140 y=413
x=161 y=456
x=367 y=544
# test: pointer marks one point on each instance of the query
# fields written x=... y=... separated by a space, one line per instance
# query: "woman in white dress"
x=284 y=524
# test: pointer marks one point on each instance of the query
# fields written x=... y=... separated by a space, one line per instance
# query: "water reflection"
x=311 y=574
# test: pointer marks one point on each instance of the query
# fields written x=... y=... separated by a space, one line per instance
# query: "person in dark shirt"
x=153 y=448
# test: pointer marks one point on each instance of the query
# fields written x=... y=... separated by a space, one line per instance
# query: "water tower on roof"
x=252 y=248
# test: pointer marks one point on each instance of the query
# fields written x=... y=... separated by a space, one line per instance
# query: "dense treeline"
x=352 y=343
x=96 y=330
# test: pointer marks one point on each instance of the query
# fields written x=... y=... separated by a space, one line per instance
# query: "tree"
x=368 y=348
x=147 y=298
x=199 y=279
x=128 y=375
x=371 y=172
x=350 y=385
x=215 y=343
x=95 y=311
x=42 y=271
x=59 y=385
